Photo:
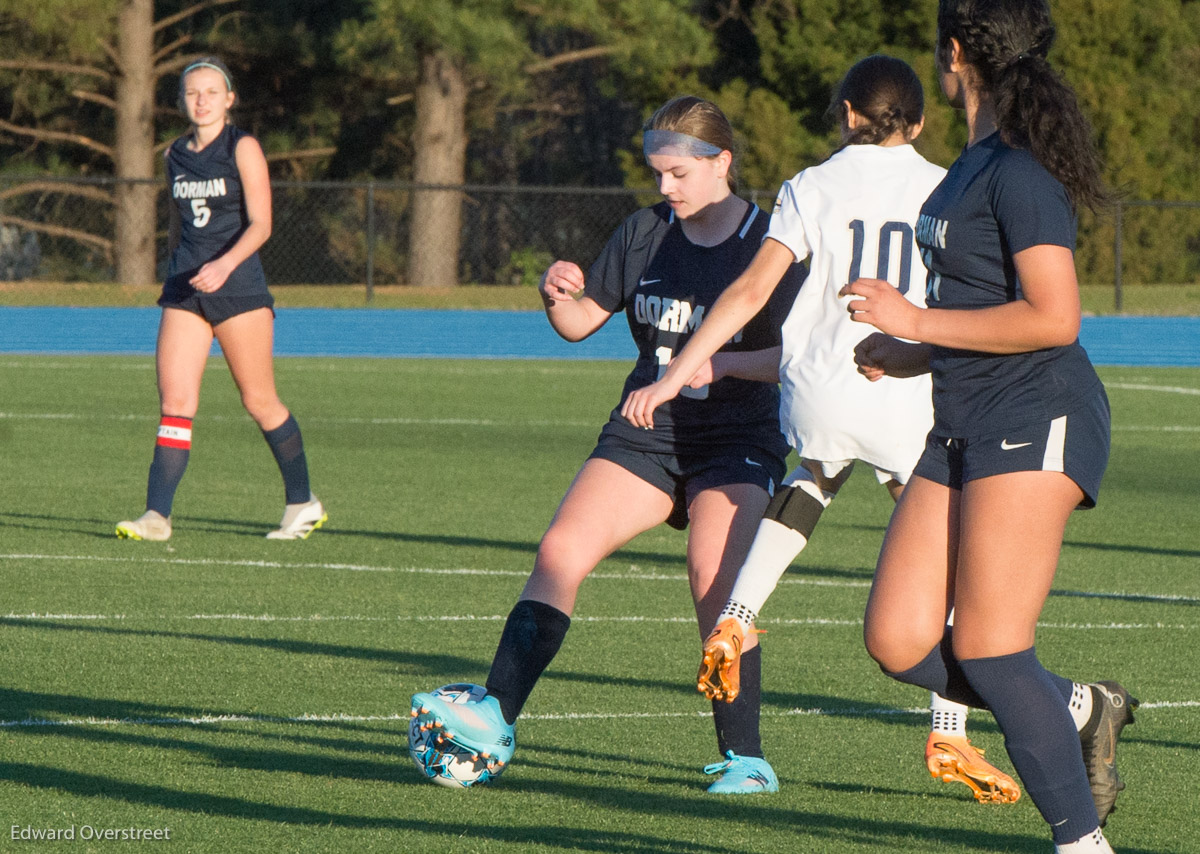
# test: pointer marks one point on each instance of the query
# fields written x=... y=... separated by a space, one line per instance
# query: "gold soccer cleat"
x=953 y=759
x=720 y=669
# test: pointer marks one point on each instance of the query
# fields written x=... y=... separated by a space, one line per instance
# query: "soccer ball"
x=443 y=761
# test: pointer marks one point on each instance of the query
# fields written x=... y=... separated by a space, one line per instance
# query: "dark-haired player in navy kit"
x=220 y=216
x=1021 y=421
x=714 y=460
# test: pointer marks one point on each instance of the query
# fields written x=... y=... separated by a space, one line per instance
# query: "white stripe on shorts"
x=1055 y=442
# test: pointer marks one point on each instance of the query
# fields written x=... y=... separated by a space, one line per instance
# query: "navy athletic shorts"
x=1075 y=444
x=217 y=307
x=684 y=476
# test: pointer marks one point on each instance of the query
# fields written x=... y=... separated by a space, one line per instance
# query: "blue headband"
x=203 y=64
x=677 y=144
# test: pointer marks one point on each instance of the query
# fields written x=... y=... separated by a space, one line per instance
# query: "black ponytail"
x=1006 y=43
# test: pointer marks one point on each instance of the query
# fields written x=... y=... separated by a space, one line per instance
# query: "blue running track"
x=1130 y=341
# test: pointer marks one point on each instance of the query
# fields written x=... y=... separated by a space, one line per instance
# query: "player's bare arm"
x=1047 y=315
x=573 y=317
x=758 y=365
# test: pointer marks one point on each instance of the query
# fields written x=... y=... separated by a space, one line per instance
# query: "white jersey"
x=855 y=215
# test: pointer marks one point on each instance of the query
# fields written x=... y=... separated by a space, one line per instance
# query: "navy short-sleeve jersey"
x=206 y=189
x=665 y=284
x=994 y=202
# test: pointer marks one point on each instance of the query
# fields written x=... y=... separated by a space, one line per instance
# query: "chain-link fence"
x=327 y=232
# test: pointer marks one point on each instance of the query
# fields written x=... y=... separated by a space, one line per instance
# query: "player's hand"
x=878 y=303
x=880 y=355
x=638 y=408
x=211 y=276
x=562 y=282
x=706 y=374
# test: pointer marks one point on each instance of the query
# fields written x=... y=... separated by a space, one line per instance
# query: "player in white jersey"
x=852 y=215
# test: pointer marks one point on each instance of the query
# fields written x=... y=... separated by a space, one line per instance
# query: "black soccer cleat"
x=1099 y=744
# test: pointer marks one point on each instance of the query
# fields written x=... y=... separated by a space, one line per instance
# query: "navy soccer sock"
x=1040 y=737
x=532 y=635
x=171 y=451
x=941 y=673
x=288 y=447
x=737 y=722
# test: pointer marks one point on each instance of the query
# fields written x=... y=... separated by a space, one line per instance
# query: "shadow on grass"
x=441 y=667
x=419 y=662
x=623 y=792
x=813 y=830
x=16 y=704
x=224 y=806
x=104 y=529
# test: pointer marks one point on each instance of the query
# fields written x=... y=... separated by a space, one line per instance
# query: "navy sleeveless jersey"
x=994 y=202
x=665 y=284
x=207 y=191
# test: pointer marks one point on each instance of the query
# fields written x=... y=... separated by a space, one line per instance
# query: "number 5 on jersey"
x=200 y=212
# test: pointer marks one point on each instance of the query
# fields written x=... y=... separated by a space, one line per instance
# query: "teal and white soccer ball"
x=443 y=761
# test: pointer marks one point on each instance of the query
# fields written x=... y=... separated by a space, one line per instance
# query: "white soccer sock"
x=948 y=717
x=1093 y=843
x=1080 y=704
x=774 y=548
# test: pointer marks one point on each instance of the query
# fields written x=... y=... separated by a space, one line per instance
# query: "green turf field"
x=252 y=696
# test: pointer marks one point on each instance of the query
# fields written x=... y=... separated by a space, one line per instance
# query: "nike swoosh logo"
x=751 y=462
x=647 y=281
x=1005 y=446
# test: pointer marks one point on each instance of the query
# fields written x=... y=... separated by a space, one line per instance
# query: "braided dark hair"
x=886 y=92
x=1005 y=42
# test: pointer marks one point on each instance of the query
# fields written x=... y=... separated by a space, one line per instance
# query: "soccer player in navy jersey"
x=1021 y=421
x=215 y=287
x=714 y=460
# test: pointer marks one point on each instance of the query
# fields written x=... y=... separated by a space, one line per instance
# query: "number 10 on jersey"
x=887 y=232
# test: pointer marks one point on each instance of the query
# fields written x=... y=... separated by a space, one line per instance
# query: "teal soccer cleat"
x=468 y=721
x=744 y=775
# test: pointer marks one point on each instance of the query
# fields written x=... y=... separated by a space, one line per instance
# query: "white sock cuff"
x=739 y=612
x=1093 y=843
x=1080 y=704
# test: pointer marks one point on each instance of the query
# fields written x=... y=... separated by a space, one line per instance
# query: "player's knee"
x=560 y=557
x=265 y=408
x=897 y=644
x=181 y=405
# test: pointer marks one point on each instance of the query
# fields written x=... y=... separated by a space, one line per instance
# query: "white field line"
x=1168 y=389
x=206 y=720
x=633 y=575
x=34 y=617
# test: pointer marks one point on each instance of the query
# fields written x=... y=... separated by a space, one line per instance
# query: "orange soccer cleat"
x=952 y=758
x=718 y=678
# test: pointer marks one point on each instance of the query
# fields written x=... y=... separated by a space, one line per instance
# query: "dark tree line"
x=443 y=92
